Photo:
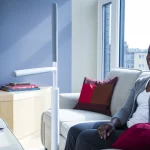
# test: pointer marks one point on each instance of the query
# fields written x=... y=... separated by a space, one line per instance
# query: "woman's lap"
x=77 y=129
x=90 y=140
x=85 y=135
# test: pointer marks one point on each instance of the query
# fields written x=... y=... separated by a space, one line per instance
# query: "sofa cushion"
x=62 y=142
x=96 y=95
x=127 y=78
x=66 y=115
x=65 y=126
x=144 y=73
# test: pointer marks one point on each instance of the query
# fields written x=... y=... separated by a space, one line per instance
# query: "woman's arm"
x=124 y=113
x=119 y=119
x=115 y=122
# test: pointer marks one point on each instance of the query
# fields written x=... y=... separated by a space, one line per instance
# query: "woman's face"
x=148 y=60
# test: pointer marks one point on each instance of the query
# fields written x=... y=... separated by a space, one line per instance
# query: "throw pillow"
x=135 y=138
x=96 y=95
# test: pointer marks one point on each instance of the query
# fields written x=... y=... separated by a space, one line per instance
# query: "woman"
x=101 y=135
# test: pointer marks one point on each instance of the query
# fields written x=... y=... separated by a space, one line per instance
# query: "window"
x=141 y=66
x=123 y=35
x=130 y=66
x=108 y=37
x=135 y=33
x=141 y=56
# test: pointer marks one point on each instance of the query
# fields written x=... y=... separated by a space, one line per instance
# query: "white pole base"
x=55 y=119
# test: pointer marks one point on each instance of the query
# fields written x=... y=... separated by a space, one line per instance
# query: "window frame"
x=114 y=51
x=121 y=33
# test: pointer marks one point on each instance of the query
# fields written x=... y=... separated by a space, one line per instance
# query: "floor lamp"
x=54 y=70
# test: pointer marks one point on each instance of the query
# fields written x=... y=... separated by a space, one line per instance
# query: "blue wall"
x=25 y=40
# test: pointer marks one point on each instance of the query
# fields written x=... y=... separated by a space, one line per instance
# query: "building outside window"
x=141 y=56
x=136 y=39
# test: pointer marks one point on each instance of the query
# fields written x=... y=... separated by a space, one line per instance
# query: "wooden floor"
x=32 y=143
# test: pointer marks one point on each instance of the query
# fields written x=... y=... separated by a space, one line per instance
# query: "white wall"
x=84 y=41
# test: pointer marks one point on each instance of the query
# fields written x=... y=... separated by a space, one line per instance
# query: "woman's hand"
x=105 y=130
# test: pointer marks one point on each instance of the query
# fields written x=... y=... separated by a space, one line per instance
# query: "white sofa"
x=70 y=116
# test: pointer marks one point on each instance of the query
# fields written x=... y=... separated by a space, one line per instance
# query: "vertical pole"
x=55 y=119
x=55 y=89
x=55 y=41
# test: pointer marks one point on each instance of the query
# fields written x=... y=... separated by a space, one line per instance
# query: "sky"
x=137 y=23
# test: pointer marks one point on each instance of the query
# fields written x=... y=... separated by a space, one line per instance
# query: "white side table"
x=7 y=140
x=22 y=111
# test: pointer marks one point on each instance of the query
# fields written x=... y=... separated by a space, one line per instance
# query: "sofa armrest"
x=68 y=100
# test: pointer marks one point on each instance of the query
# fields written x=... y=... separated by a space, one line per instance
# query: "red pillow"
x=96 y=95
x=135 y=138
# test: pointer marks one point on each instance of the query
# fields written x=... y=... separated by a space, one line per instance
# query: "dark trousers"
x=85 y=137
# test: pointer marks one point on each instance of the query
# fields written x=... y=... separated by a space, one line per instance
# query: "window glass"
x=106 y=37
x=136 y=34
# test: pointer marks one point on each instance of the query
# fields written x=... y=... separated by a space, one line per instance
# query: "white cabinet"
x=22 y=111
